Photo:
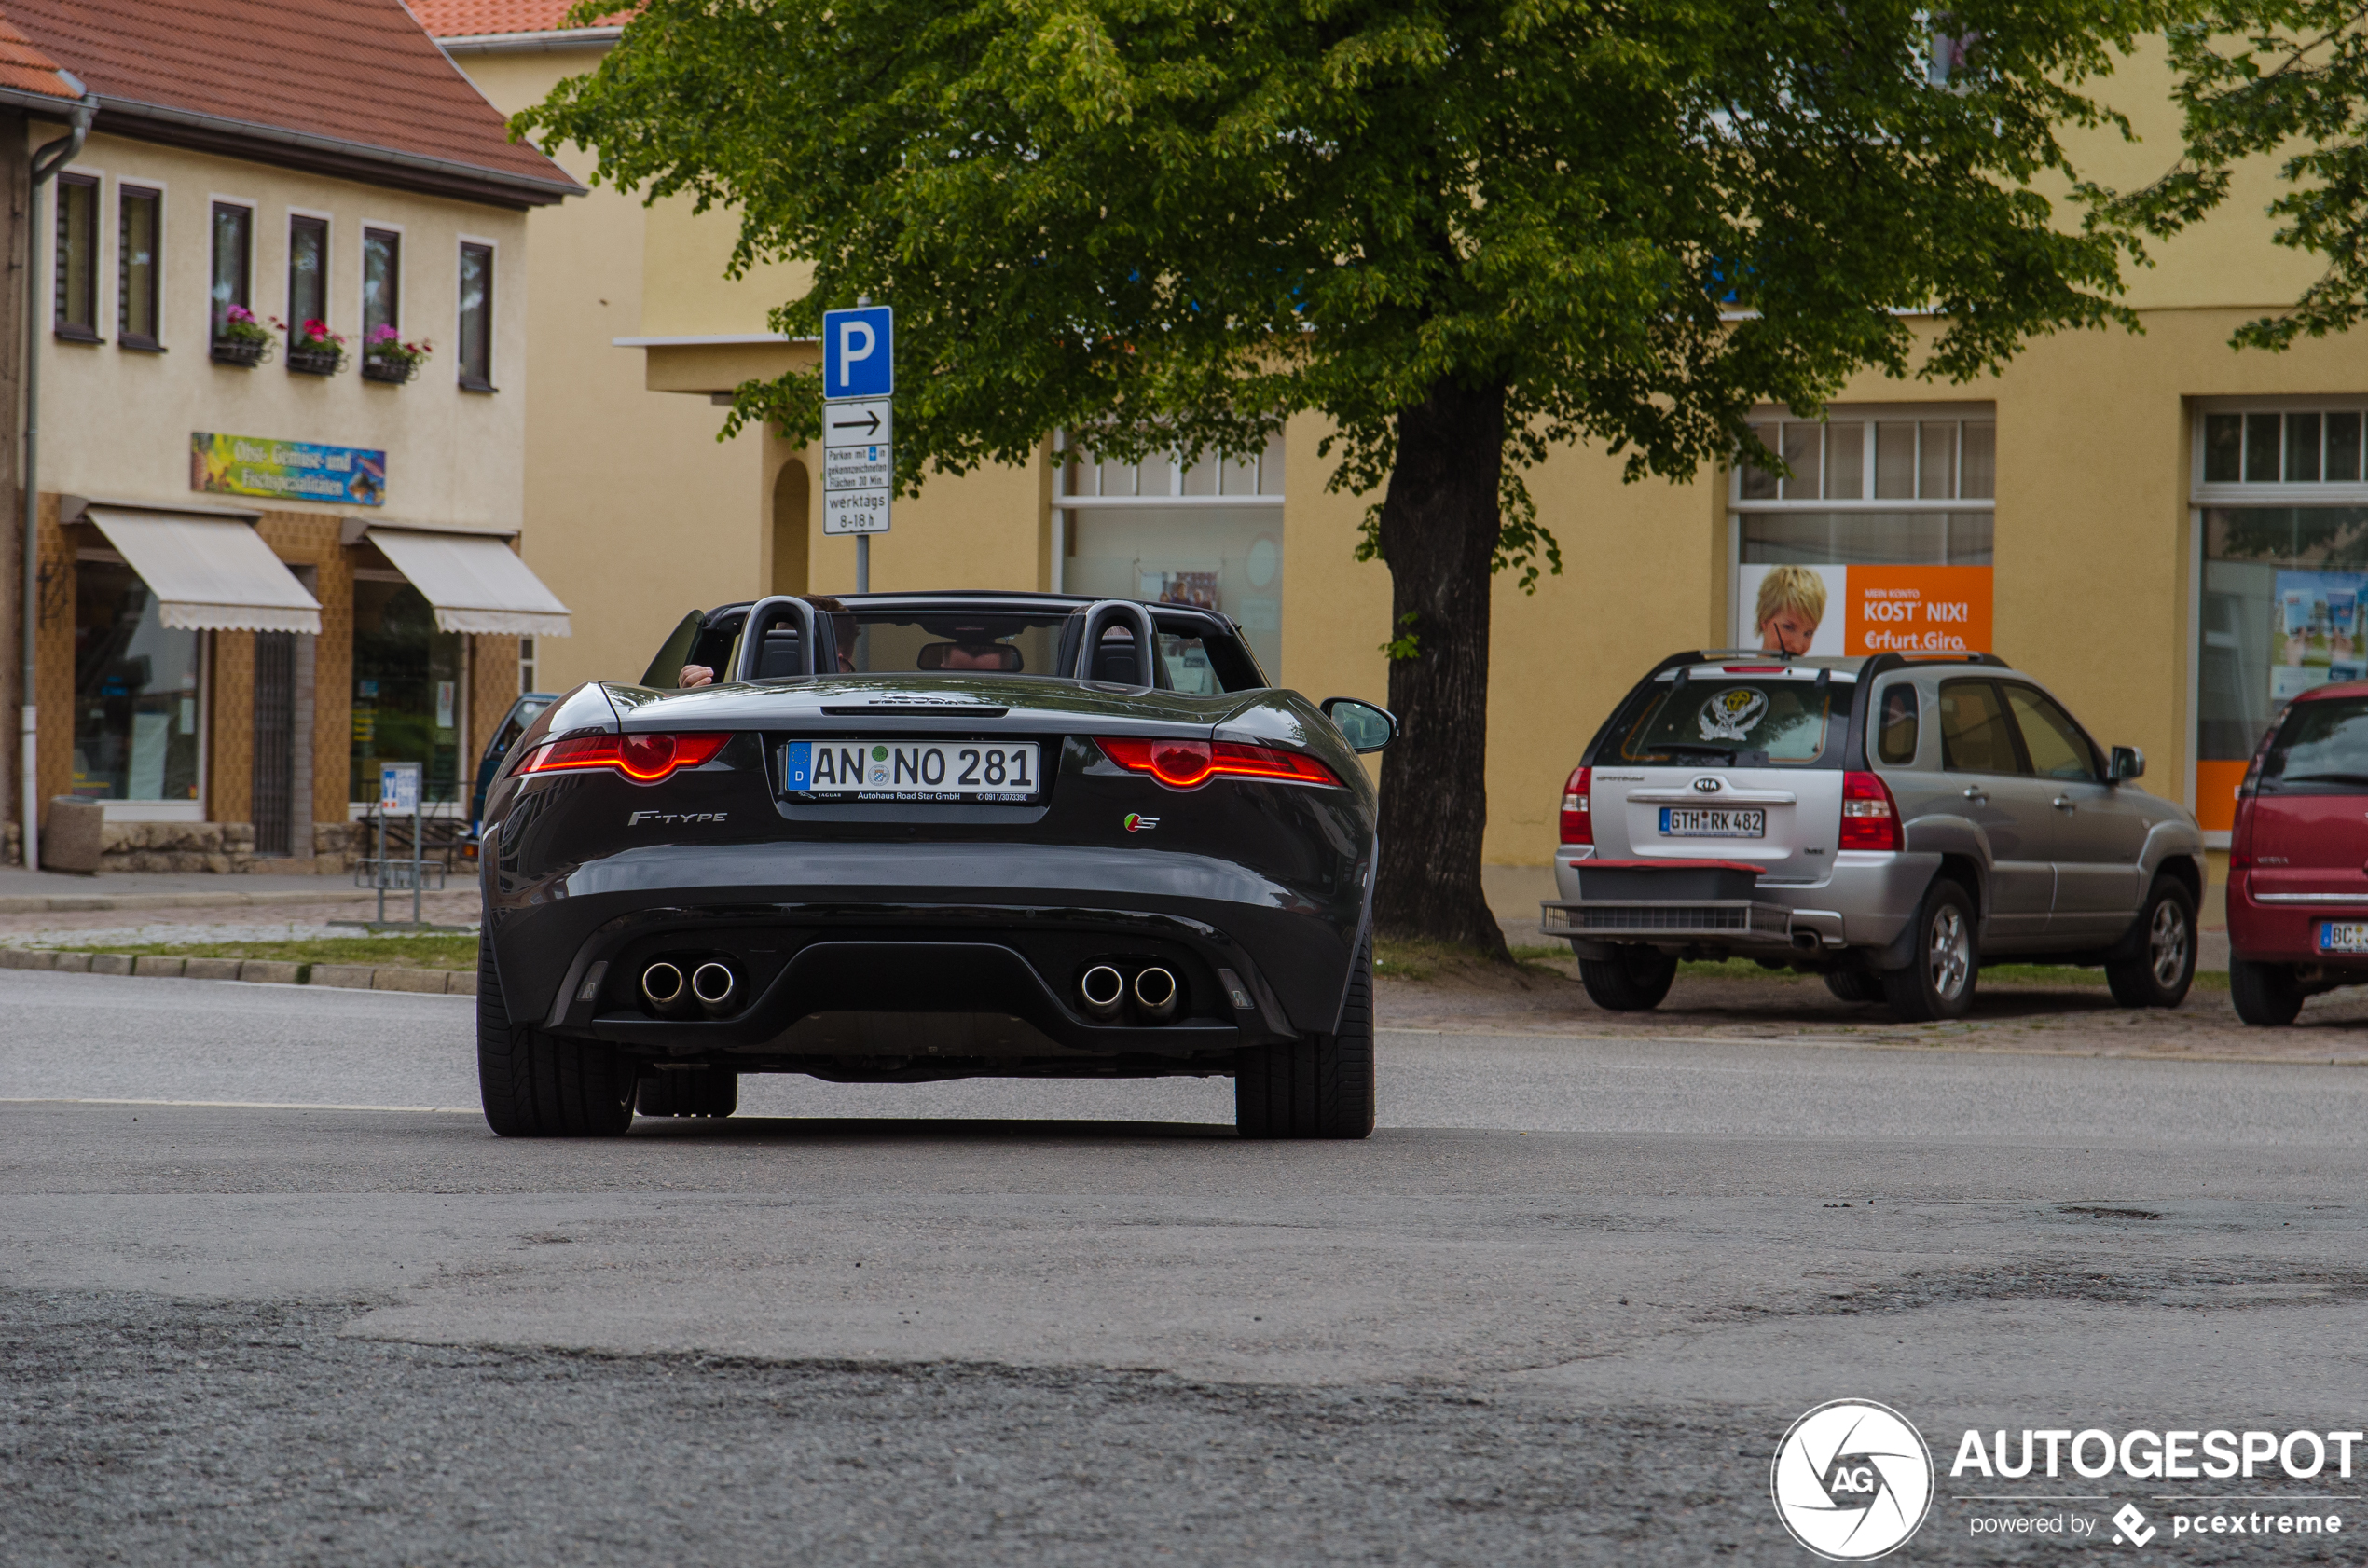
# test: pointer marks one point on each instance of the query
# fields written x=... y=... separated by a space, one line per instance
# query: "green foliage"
x=1170 y=224
x=2268 y=76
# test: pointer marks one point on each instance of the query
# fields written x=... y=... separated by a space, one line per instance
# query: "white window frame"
x=102 y=296
x=328 y=264
x=255 y=252
x=362 y=280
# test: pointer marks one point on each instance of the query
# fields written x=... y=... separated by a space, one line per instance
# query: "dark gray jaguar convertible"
x=914 y=836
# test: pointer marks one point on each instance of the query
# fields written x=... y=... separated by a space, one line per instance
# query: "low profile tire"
x=1854 y=985
x=2268 y=996
x=698 y=1092
x=1320 y=1087
x=1939 y=983
x=1633 y=980
x=2164 y=966
x=535 y=1085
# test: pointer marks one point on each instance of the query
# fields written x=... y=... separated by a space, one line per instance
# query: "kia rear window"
x=2321 y=749
x=1745 y=722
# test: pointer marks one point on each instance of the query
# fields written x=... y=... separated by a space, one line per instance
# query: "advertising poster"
x=2315 y=631
x=287 y=470
x=1842 y=610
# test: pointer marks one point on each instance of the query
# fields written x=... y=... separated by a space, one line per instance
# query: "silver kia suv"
x=1888 y=822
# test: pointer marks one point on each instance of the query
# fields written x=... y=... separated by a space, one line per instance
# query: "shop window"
x=382 y=286
x=77 y=280
x=2282 y=598
x=406 y=691
x=525 y=664
x=138 y=270
x=1879 y=539
x=233 y=259
x=1209 y=532
x=138 y=711
x=477 y=317
x=307 y=273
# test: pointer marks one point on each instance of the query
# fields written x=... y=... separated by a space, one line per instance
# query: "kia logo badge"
x=1709 y=786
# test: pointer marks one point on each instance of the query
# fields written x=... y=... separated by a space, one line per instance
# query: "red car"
x=2298 y=858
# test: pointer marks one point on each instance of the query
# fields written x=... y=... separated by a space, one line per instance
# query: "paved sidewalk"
x=27 y=891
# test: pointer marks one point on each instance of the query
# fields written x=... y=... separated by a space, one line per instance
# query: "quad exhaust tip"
x=664 y=989
x=713 y=984
x=1102 y=991
x=1155 y=995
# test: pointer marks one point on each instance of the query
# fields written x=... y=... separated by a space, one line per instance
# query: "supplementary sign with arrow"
x=858 y=464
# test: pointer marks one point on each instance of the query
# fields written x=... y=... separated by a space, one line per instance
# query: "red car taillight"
x=2240 y=836
x=1870 y=817
x=1578 y=815
x=1187 y=764
x=645 y=759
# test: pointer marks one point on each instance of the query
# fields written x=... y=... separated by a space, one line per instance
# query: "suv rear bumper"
x=1866 y=901
x=2287 y=933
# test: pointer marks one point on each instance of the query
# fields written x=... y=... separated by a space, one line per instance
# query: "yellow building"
x=2152 y=524
x=280 y=344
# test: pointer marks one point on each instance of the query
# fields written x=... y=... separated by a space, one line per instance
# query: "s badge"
x=1139 y=823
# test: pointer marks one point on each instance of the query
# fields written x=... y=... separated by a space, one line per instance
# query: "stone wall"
x=217 y=847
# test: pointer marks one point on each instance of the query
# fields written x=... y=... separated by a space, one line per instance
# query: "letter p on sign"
x=858 y=352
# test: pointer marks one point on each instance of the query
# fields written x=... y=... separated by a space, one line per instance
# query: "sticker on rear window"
x=1731 y=714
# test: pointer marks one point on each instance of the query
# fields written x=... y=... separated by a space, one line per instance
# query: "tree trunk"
x=1438 y=528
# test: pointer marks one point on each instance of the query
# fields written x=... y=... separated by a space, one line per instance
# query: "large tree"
x=1463 y=232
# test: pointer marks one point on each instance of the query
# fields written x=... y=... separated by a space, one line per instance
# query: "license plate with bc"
x=1688 y=822
x=2343 y=936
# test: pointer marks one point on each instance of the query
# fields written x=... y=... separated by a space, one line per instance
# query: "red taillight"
x=2240 y=836
x=645 y=759
x=1870 y=817
x=1578 y=815
x=1187 y=764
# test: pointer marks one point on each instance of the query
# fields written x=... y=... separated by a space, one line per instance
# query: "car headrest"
x=780 y=655
x=1115 y=662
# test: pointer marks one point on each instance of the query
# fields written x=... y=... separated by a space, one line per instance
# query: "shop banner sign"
x=1835 y=611
x=287 y=470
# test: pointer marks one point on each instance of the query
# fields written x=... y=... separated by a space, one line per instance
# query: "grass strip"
x=435 y=950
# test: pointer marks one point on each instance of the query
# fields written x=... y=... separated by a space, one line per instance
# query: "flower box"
x=244 y=353
x=387 y=358
x=393 y=372
x=314 y=359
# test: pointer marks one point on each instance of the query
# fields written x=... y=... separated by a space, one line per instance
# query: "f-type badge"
x=1139 y=823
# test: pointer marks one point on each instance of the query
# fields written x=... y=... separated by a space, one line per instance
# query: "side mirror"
x=2128 y=763
x=1368 y=728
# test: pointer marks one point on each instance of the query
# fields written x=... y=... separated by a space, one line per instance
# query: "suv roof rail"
x=1882 y=662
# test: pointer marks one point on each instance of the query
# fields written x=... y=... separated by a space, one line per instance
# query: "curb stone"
x=265 y=971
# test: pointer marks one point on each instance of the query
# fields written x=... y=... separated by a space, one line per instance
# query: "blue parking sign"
x=858 y=352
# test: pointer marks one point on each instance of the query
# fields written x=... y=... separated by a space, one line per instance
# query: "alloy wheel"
x=1951 y=954
x=2167 y=943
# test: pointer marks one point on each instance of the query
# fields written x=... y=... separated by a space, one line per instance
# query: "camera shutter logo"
x=1852 y=1480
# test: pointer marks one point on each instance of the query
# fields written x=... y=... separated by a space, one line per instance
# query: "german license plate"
x=1689 y=822
x=909 y=770
x=2343 y=936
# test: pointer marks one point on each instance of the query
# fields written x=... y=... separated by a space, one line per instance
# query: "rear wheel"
x=693 y=1092
x=1633 y=979
x=535 y=1085
x=2164 y=966
x=1854 y=985
x=1939 y=983
x=2266 y=995
x=1320 y=1087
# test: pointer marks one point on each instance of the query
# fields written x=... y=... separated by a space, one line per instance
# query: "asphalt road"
x=1558 y=1310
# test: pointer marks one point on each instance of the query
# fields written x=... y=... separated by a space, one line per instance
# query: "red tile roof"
x=354 y=85
x=478 y=19
x=24 y=68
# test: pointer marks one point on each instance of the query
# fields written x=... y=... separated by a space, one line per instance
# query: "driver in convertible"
x=701 y=675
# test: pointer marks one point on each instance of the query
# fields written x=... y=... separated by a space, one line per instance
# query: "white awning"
x=476 y=582
x=209 y=573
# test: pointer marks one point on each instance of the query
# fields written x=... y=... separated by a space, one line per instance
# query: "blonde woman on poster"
x=1792 y=602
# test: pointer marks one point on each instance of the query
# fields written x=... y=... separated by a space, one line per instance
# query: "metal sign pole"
x=419 y=802
x=862 y=563
x=380 y=868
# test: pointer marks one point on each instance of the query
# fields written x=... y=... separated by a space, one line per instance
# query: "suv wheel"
x=1320 y=1087
x=691 y=1092
x=2267 y=994
x=1939 y=983
x=2164 y=966
x=1633 y=979
x=535 y=1085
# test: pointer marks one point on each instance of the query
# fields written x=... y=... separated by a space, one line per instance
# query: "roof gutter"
x=45 y=162
x=129 y=116
x=531 y=43
x=41 y=102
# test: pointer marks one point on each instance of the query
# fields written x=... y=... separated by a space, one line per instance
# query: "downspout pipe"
x=45 y=162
